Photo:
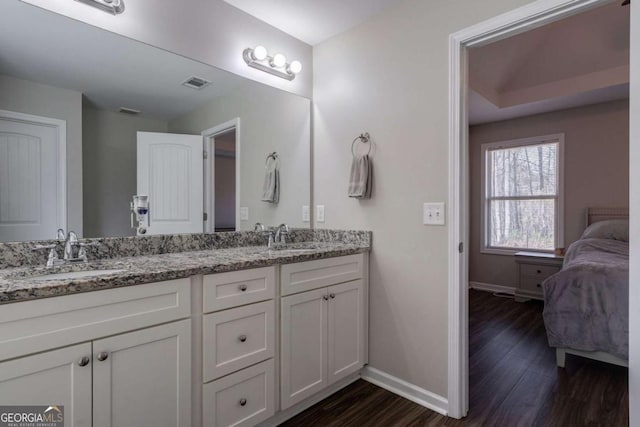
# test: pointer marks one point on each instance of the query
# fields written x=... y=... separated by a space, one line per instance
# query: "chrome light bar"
x=114 y=7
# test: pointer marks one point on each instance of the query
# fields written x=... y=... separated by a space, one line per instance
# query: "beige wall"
x=596 y=166
x=110 y=169
x=270 y=120
x=389 y=76
x=42 y=100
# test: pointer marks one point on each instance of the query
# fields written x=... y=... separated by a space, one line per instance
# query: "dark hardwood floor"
x=513 y=381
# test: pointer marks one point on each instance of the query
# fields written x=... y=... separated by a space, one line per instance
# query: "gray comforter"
x=586 y=304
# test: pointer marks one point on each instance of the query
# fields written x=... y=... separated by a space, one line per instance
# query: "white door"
x=170 y=172
x=304 y=345
x=32 y=177
x=143 y=378
x=345 y=347
x=53 y=378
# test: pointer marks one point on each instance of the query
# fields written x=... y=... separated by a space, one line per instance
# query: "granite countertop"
x=17 y=284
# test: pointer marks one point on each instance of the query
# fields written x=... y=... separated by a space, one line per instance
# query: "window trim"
x=484 y=205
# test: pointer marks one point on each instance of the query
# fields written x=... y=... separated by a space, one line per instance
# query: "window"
x=522 y=195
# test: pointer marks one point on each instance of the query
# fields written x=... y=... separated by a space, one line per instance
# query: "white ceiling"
x=110 y=70
x=581 y=60
x=312 y=21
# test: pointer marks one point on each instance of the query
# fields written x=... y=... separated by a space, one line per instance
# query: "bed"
x=586 y=310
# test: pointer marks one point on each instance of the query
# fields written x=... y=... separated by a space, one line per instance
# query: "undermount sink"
x=293 y=250
x=75 y=274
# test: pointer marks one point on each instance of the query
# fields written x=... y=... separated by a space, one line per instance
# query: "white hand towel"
x=271 y=186
x=360 y=180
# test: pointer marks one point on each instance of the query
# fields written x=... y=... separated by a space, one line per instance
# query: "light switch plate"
x=306 y=215
x=433 y=214
x=320 y=213
x=244 y=214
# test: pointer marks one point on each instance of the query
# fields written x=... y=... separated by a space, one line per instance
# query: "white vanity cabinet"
x=239 y=347
x=138 y=374
x=323 y=330
x=55 y=377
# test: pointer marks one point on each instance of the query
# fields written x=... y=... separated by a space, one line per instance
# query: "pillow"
x=615 y=229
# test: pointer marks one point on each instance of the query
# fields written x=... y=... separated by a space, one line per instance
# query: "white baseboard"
x=407 y=390
x=489 y=287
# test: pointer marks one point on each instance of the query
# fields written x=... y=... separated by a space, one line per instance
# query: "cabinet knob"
x=242 y=401
x=102 y=356
x=84 y=361
x=325 y=297
x=242 y=338
x=539 y=285
x=332 y=295
x=243 y=288
x=539 y=271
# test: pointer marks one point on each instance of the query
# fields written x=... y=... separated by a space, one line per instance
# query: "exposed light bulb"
x=295 y=67
x=279 y=60
x=259 y=53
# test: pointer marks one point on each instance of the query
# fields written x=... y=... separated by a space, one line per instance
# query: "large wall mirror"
x=89 y=119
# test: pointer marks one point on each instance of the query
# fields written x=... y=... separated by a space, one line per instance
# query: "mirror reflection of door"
x=32 y=176
x=224 y=180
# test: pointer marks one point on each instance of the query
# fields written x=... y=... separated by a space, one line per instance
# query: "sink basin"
x=75 y=274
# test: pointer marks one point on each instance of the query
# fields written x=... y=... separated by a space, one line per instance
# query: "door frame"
x=60 y=126
x=528 y=17
x=208 y=141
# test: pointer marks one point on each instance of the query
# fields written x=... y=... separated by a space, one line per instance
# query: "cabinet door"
x=53 y=378
x=304 y=345
x=345 y=347
x=143 y=378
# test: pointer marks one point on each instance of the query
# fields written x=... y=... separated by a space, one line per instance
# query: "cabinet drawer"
x=541 y=271
x=241 y=399
x=226 y=290
x=305 y=276
x=531 y=284
x=33 y=326
x=237 y=338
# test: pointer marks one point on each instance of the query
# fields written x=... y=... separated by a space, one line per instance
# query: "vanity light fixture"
x=114 y=7
x=259 y=58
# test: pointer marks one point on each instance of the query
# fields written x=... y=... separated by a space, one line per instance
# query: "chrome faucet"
x=260 y=227
x=70 y=242
x=281 y=232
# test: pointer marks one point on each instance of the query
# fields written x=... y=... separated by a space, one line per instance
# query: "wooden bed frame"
x=596 y=215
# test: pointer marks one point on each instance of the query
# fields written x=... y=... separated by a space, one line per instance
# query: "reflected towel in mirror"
x=271 y=186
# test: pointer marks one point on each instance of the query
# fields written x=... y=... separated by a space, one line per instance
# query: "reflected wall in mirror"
x=88 y=119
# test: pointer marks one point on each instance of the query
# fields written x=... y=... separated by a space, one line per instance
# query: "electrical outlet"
x=433 y=214
x=306 y=214
x=244 y=213
x=320 y=213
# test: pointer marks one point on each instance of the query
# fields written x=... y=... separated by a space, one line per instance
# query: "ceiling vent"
x=196 y=83
x=131 y=111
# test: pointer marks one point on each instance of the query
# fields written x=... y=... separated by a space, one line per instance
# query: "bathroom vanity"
x=232 y=336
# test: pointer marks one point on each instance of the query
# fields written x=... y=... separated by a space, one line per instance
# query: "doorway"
x=222 y=177
x=515 y=22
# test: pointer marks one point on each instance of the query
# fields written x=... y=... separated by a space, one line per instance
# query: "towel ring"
x=273 y=156
x=364 y=138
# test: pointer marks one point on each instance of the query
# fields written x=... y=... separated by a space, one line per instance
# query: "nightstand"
x=533 y=269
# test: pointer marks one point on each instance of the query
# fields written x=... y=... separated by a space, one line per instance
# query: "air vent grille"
x=196 y=82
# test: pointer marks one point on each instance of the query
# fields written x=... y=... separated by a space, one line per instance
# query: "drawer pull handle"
x=103 y=356
x=539 y=271
x=539 y=285
x=332 y=296
x=243 y=401
x=243 y=288
x=84 y=361
x=242 y=338
x=325 y=297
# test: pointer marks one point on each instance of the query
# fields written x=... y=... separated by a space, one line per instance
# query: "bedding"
x=587 y=302
x=616 y=229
